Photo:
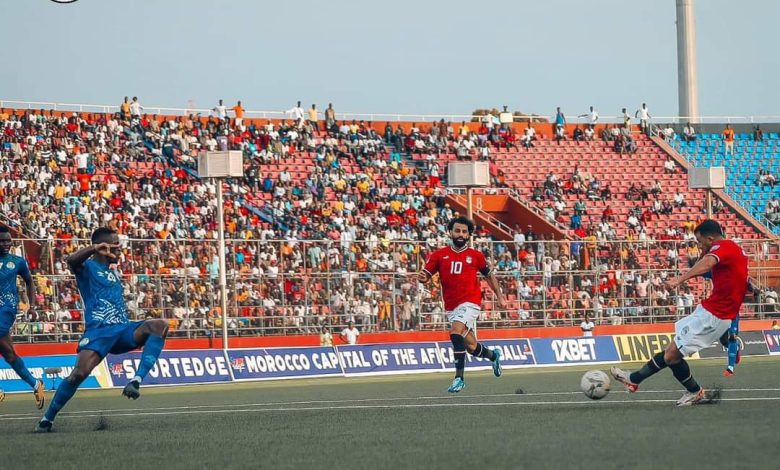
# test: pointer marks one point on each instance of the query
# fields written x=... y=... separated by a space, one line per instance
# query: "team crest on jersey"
x=84 y=342
x=468 y=259
x=11 y=265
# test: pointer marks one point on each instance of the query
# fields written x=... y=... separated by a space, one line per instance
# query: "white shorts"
x=466 y=313
x=698 y=331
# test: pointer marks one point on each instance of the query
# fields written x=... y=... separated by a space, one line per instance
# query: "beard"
x=459 y=242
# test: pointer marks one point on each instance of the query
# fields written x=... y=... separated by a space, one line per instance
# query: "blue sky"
x=390 y=57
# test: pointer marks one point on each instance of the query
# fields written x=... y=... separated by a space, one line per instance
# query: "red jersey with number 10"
x=458 y=274
x=729 y=280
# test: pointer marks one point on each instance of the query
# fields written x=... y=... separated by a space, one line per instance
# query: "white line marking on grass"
x=369 y=400
x=122 y=413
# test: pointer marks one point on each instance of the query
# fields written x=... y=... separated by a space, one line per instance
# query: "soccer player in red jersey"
x=458 y=266
x=711 y=319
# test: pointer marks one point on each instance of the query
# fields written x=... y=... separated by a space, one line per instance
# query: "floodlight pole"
x=469 y=204
x=222 y=264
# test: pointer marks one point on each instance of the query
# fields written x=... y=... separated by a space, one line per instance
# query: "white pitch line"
x=369 y=407
x=360 y=400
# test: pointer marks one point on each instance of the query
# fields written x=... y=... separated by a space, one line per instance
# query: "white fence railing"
x=572 y=118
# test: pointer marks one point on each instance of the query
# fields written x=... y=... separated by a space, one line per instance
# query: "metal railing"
x=298 y=287
x=378 y=116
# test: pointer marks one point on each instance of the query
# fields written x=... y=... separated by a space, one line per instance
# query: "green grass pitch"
x=410 y=421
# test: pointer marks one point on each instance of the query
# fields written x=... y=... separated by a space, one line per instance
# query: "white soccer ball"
x=595 y=384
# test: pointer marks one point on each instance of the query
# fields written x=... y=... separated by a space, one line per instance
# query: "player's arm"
x=431 y=268
x=704 y=265
x=494 y=285
x=77 y=259
x=28 y=283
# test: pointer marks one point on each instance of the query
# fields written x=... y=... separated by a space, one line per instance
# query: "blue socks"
x=152 y=350
x=21 y=370
x=733 y=349
x=65 y=392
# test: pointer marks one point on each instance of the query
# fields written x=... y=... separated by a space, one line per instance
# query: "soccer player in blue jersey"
x=10 y=267
x=108 y=330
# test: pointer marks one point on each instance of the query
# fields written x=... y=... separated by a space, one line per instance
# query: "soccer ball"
x=595 y=384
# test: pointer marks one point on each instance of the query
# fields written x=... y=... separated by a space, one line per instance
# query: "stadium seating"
x=742 y=169
x=377 y=214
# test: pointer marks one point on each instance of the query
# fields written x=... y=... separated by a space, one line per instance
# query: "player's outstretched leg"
x=632 y=380
x=86 y=361
x=17 y=364
x=151 y=334
x=493 y=355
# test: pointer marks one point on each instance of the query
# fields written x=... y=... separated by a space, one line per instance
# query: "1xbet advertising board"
x=581 y=350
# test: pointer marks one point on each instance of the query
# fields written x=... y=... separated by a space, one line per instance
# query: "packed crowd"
x=63 y=175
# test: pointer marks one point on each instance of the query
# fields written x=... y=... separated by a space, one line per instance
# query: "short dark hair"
x=101 y=234
x=4 y=229
x=461 y=220
x=709 y=228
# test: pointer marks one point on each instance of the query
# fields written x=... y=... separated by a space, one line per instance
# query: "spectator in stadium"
x=296 y=113
x=758 y=134
x=669 y=133
x=590 y=134
x=765 y=178
x=775 y=325
x=220 y=110
x=587 y=326
x=578 y=135
x=238 y=111
x=124 y=109
x=560 y=118
x=559 y=133
x=326 y=339
x=350 y=334
x=626 y=119
x=728 y=138
x=606 y=133
x=689 y=133
x=330 y=120
x=643 y=114
x=669 y=166
x=313 y=119
x=593 y=117
x=135 y=108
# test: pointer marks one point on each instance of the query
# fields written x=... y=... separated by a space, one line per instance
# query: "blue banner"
x=574 y=350
x=514 y=353
x=773 y=341
x=250 y=364
x=10 y=381
x=389 y=358
x=173 y=367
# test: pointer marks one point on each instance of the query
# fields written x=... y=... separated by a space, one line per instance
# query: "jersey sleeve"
x=482 y=265
x=24 y=269
x=720 y=251
x=432 y=266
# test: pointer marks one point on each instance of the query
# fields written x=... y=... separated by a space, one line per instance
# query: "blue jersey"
x=104 y=302
x=10 y=267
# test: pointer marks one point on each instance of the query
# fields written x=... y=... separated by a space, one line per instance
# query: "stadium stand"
x=353 y=214
x=751 y=170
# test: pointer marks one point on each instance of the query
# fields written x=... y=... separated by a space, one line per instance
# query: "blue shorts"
x=7 y=320
x=112 y=339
